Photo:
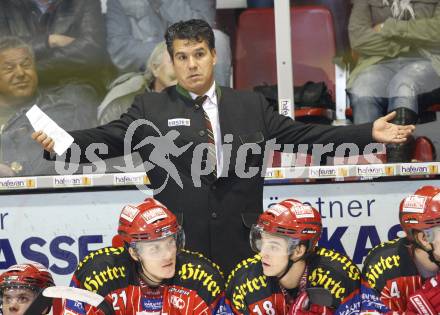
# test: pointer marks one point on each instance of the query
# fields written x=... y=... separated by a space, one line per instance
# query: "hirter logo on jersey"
x=414 y=204
x=129 y=213
x=153 y=215
x=303 y=211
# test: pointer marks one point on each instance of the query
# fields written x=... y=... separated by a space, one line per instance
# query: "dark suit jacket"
x=217 y=215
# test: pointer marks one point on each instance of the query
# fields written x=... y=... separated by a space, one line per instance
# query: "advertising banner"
x=57 y=229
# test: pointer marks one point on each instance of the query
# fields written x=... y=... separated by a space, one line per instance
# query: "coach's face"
x=194 y=65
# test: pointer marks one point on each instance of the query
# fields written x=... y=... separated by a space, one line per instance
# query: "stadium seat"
x=434 y=108
x=340 y=10
x=423 y=150
x=313 y=50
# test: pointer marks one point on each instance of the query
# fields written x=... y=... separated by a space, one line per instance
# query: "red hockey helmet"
x=420 y=211
x=149 y=221
x=31 y=276
x=291 y=219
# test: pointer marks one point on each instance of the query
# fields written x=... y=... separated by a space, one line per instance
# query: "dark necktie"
x=212 y=157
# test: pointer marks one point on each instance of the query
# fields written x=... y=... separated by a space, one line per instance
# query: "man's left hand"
x=386 y=132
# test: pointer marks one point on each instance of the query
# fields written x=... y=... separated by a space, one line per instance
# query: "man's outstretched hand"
x=44 y=140
x=386 y=132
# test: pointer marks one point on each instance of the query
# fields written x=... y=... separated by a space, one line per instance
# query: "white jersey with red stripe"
x=196 y=288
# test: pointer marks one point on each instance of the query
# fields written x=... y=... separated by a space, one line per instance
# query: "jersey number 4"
x=394 y=290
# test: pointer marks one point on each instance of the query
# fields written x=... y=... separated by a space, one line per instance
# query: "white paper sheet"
x=40 y=121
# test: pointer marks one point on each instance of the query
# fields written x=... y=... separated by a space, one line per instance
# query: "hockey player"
x=396 y=273
x=288 y=264
x=20 y=285
x=151 y=273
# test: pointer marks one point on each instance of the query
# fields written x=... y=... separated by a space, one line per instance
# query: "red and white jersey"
x=197 y=287
x=390 y=276
x=249 y=291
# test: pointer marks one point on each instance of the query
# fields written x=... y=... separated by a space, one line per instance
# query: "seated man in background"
x=19 y=155
x=158 y=75
x=151 y=273
x=399 y=59
x=135 y=27
x=288 y=263
x=394 y=271
x=20 y=285
x=69 y=41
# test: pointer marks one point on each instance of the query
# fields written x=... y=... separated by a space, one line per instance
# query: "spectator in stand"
x=19 y=154
x=135 y=27
x=68 y=39
x=399 y=59
x=159 y=74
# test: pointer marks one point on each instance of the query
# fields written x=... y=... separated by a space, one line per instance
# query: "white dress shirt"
x=210 y=106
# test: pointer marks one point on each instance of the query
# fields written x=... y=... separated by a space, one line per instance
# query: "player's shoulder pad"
x=388 y=260
x=247 y=268
x=196 y=272
x=247 y=284
x=105 y=270
x=334 y=272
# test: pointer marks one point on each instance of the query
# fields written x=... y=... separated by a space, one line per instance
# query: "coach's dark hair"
x=195 y=29
x=13 y=42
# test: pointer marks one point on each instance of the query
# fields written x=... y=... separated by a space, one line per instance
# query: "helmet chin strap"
x=431 y=255
x=290 y=263
x=145 y=276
